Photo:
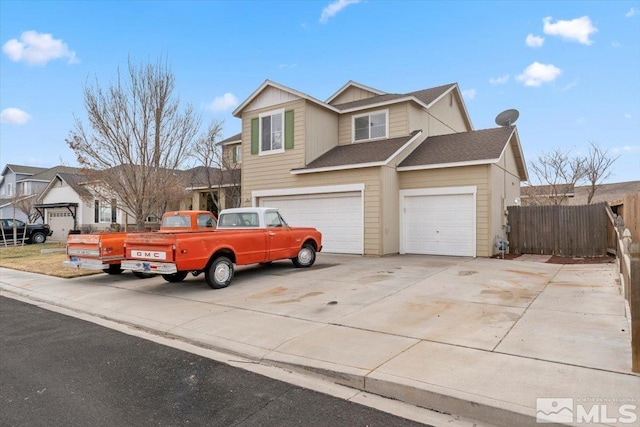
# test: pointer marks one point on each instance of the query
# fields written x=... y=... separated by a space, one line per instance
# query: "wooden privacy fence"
x=575 y=231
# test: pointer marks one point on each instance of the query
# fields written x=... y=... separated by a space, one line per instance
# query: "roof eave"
x=448 y=165
x=337 y=168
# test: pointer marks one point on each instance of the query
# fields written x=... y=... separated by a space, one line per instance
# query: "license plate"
x=74 y=258
x=146 y=266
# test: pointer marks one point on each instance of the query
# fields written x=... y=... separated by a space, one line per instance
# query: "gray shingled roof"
x=25 y=170
x=234 y=138
x=471 y=146
x=359 y=153
x=75 y=181
x=197 y=177
x=427 y=96
x=49 y=174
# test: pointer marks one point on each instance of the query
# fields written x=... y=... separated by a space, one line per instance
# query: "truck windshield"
x=176 y=221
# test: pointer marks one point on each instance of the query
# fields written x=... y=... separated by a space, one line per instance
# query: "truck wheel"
x=220 y=273
x=38 y=237
x=306 y=256
x=113 y=269
x=175 y=277
x=142 y=274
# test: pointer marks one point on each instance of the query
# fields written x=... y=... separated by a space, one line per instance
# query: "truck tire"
x=113 y=269
x=142 y=274
x=306 y=256
x=38 y=237
x=175 y=277
x=220 y=273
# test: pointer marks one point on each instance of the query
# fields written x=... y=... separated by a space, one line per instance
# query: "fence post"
x=634 y=305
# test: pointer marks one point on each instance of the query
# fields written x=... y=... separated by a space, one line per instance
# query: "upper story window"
x=237 y=154
x=371 y=126
x=272 y=132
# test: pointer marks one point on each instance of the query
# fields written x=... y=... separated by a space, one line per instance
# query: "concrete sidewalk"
x=478 y=338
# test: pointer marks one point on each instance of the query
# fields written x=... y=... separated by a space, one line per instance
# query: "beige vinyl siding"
x=445 y=118
x=270 y=98
x=352 y=94
x=398 y=122
x=271 y=171
x=370 y=177
x=457 y=177
x=321 y=131
x=390 y=221
x=505 y=190
x=418 y=118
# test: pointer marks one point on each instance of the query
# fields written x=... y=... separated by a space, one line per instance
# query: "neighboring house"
x=12 y=190
x=380 y=173
x=216 y=188
x=610 y=193
x=212 y=189
x=544 y=195
x=67 y=203
x=567 y=194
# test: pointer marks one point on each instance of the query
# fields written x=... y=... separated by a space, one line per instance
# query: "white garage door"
x=60 y=222
x=338 y=216
x=439 y=224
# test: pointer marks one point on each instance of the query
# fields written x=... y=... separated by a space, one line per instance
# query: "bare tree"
x=137 y=138
x=558 y=173
x=220 y=171
x=25 y=205
x=598 y=164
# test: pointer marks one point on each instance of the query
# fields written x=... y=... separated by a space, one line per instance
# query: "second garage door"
x=338 y=216
x=439 y=224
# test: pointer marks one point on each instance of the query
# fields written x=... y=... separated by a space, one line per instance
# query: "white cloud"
x=534 y=41
x=625 y=149
x=536 y=74
x=469 y=93
x=37 y=49
x=569 y=86
x=581 y=121
x=333 y=8
x=499 y=80
x=578 y=29
x=627 y=115
x=14 y=116
x=224 y=102
x=615 y=44
x=286 y=66
x=632 y=12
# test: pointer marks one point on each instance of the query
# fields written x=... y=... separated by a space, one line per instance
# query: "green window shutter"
x=288 y=129
x=255 y=135
x=233 y=151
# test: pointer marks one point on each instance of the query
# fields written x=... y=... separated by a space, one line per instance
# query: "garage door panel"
x=338 y=216
x=442 y=224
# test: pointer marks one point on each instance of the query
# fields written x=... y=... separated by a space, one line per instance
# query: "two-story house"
x=12 y=190
x=381 y=173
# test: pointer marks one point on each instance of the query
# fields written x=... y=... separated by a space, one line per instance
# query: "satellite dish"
x=507 y=117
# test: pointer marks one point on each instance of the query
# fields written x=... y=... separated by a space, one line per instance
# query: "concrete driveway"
x=480 y=338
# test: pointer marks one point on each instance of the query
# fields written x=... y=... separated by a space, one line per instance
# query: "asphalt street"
x=57 y=370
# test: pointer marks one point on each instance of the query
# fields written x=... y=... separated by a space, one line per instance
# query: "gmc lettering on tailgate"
x=148 y=254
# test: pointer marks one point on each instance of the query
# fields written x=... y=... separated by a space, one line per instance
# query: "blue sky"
x=571 y=68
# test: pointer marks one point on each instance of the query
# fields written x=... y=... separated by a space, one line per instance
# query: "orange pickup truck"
x=243 y=236
x=105 y=251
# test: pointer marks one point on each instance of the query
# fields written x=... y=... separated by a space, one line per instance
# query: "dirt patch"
x=555 y=259
x=581 y=260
